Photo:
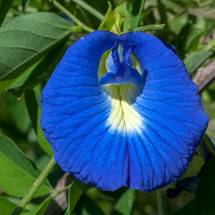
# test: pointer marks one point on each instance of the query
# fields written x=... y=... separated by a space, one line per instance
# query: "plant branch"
x=36 y=185
x=59 y=195
x=90 y=9
x=159 y=202
x=205 y=76
x=70 y=15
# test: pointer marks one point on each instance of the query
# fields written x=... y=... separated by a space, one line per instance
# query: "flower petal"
x=170 y=106
x=74 y=115
x=142 y=139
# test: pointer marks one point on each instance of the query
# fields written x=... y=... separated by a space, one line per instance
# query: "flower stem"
x=36 y=185
x=55 y=193
x=140 y=12
x=90 y=9
x=70 y=15
x=159 y=202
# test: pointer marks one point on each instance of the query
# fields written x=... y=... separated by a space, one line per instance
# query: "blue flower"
x=136 y=124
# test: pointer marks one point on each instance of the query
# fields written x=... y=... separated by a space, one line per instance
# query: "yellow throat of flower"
x=123 y=116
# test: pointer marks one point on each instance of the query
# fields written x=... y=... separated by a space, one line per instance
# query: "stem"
x=70 y=15
x=75 y=192
x=37 y=184
x=140 y=11
x=55 y=193
x=205 y=76
x=90 y=9
x=149 y=27
x=159 y=202
x=162 y=11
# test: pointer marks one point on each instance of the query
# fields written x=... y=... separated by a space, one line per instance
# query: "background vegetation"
x=32 y=41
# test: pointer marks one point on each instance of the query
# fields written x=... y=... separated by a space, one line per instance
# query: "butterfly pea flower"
x=134 y=122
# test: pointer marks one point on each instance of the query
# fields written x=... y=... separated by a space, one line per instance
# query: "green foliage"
x=76 y=189
x=33 y=37
x=6 y=206
x=203 y=202
x=125 y=203
x=23 y=43
x=41 y=209
x=17 y=173
x=205 y=192
x=4 y=7
x=196 y=59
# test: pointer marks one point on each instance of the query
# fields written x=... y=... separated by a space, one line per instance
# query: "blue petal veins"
x=118 y=130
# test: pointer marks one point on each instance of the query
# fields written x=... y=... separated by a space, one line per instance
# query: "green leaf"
x=162 y=11
x=5 y=85
x=31 y=103
x=32 y=99
x=196 y=59
x=193 y=39
x=15 y=113
x=137 y=18
x=45 y=67
x=26 y=38
x=24 y=5
x=112 y=21
x=206 y=190
x=88 y=206
x=73 y=17
x=208 y=13
x=173 y=6
x=74 y=194
x=90 y=9
x=41 y=209
x=203 y=204
x=44 y=144
x=6 y=206
x=36 y=73
x=4 y=7
x=211 y=44
x=177 y=23
x=210 y=143
x=16 y=82
x=194 y=166
x=124 y=205
x=17 y=173
x=117 y=20
x=188 y=209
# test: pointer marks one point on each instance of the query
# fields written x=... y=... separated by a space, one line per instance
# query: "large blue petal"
x=74 y=114
x=75 y=110
x=174 y=119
